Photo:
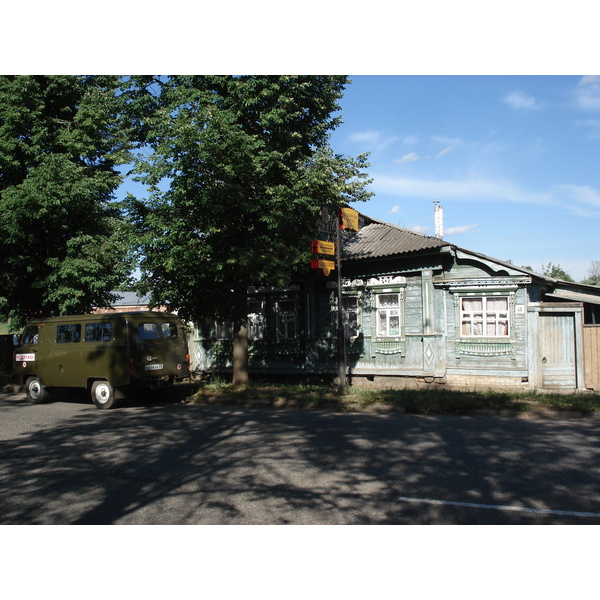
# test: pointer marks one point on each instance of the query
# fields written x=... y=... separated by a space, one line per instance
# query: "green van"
x=107 y=354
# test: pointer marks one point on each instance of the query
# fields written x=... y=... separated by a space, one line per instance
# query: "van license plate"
x=153 y=367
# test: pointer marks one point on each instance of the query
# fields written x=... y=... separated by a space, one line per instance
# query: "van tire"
x=35 y=391
x=103 y=395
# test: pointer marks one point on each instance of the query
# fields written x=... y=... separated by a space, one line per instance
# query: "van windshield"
x=30 y=336
x=155 y=331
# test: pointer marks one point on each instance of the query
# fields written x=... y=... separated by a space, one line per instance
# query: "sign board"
x=325 y=265
x=348 y=219
x=321 y=247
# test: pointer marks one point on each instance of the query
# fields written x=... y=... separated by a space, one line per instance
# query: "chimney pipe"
x=439 y=219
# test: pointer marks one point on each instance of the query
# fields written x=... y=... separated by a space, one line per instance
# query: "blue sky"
x=513 y=160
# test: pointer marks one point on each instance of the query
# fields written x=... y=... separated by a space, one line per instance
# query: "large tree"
x=239 y=169
x=63 y=245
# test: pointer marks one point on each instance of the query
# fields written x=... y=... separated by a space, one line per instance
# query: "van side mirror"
x=15 y=340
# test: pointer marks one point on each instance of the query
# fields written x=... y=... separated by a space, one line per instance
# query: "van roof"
x=95 y=317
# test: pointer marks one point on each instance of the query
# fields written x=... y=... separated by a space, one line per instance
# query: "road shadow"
x=186 y=464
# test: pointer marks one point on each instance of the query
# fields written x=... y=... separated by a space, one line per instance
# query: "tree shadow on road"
x=186 y=464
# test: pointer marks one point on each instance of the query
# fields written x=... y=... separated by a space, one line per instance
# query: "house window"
x=256 y=320
x=224 y=330
x=287 y=319
x=484 y=316
x=350 y=316
x=388 y=315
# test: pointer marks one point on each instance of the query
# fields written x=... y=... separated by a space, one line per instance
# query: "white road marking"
x=542 y=511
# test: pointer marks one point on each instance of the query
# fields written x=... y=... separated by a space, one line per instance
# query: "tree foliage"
x=63 y=245
x=239 y=169
x=556 y=272
x=593 y=277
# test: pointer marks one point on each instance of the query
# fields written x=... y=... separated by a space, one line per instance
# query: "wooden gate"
x=591 y=348
x=557 y=345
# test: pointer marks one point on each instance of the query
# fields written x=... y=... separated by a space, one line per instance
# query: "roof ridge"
x=397 y=227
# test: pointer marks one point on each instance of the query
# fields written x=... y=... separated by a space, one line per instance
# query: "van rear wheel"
x=103 y=395
x=36 y=392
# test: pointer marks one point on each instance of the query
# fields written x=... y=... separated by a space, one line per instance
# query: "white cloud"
x=395 y=210
x=521 y=100
x=375 y=140
x=447 y=141
x=410 y=139
x=444 y=152
x=579 y=196
x=461 y=229
x=408 y=158
x=587 y=93
x=580 y=200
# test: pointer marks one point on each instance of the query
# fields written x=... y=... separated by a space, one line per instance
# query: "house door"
x=557 y=351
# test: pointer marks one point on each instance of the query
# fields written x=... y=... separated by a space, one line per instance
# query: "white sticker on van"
x=25 y=357
x=153 y=367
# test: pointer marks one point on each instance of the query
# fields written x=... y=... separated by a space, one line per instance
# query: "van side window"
x=66 y=334
x=98 y=332
x=31 y=334
x=169 y=331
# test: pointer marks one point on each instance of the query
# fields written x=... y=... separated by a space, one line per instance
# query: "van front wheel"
x=103 y=395
x=36 y=392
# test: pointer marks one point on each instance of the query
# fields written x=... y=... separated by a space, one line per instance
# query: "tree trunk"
x=240 y=342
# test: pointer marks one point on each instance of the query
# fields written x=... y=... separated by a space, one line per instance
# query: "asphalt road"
x=159 y=463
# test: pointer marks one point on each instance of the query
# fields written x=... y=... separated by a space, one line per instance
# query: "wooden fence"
x=591 y=346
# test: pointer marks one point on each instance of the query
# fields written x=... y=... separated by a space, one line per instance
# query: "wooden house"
x=420 y=311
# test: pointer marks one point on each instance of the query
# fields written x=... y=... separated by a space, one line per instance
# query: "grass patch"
x=424 y=402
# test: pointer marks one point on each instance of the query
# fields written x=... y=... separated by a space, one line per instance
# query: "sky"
x=513 y=161
x=484 y=108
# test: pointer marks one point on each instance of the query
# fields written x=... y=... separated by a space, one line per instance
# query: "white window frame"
x=475 y=323
x=386 y=313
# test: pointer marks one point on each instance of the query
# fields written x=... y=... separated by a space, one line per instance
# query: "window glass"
x=98 y=332
x=350 y=315
x=169 y=330
x=148 y=331
x=31 y=334
x=66 y=334
x=224 y=330
x=388 y=315
x=484 y=317
x=286 y=319
x=256 y=320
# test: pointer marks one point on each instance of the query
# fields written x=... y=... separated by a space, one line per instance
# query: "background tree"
x=556 y=272
x=63 y=246
x=238 y=169
x=593 y=277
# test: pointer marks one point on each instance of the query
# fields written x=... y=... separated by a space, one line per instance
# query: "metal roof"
x=378 y=239
x=130 y=299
